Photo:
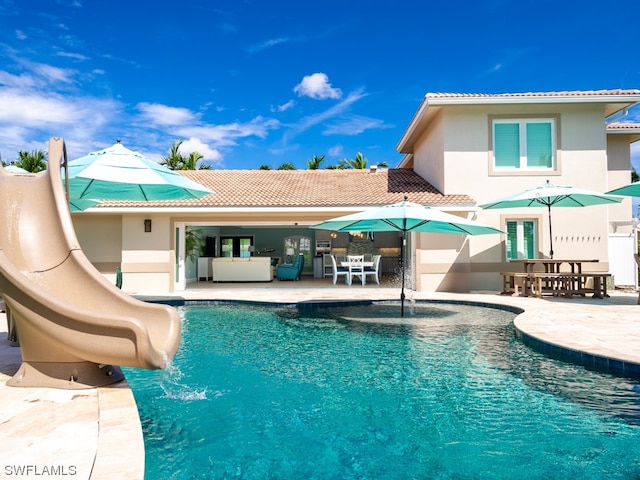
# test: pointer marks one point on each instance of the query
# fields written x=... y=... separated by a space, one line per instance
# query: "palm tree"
x=174 y=159
x=314 y=163
x=287 y=166
x=358 y=163
x=264 y=167
x=34 y=161
x=191 y=162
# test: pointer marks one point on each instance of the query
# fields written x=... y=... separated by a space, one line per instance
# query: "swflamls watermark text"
x=25 y=470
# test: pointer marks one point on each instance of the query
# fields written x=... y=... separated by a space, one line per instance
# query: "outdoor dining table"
x=364 y=265
x=551 y=265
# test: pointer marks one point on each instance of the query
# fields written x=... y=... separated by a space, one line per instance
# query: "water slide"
x=74 y=327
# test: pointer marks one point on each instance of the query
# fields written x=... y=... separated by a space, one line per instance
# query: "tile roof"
x=307 y=188
x=623 y=126
x=573 y=93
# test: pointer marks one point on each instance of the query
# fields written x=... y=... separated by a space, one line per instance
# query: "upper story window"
x=524 y=144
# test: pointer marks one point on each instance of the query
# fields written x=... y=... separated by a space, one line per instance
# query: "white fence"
x=622 y=265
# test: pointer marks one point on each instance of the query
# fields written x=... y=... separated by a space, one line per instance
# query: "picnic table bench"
x=567 y=284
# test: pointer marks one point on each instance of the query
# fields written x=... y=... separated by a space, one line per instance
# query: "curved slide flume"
x=74 y=327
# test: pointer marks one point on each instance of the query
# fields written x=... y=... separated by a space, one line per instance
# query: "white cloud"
x=354 y=125
x=317 y=86
x=336 y=151
x=166 y=116
x=226 y=135
x=196 y=145
x=284 y=107
x=267 y=44
x=40 y=101
x=28 y=119
x=49 y=73
x=205 y=138
x=307 y=122
x=76 y=56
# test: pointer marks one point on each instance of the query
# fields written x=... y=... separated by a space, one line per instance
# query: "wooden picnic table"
x=552 y=265
x=554 y=280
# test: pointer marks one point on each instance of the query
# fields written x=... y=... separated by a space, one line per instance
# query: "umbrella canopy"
x=80 y=204
x=117 y=173
x=550 y=195
x=631 y=190
x=405 y=217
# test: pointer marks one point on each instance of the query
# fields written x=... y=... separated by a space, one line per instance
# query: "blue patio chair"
x=290 y=272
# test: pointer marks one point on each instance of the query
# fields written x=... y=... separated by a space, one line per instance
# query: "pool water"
x=448 y=392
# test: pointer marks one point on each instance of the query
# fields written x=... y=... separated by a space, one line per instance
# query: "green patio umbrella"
x=80 y=204
x=631 y=190
x=117 y=173
x=405 y=217
x=550 y=195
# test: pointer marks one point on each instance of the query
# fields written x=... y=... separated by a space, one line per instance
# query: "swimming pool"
x=449 y=392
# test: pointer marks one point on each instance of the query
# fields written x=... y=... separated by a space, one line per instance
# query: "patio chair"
x=291 y=272
x=356 y=268
x=373 y=271
x=340 y=271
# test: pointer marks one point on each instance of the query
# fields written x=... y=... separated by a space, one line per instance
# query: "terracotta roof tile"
x=574 y=93
x=308 y=188
x=623 y=126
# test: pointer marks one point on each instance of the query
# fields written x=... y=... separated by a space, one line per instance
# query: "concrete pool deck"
x=96 y=433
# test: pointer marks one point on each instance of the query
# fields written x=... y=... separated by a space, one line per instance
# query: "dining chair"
x=339 y=270
x=373 y=271
x=356 y=268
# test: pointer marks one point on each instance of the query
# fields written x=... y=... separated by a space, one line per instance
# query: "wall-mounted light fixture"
x=147 y=225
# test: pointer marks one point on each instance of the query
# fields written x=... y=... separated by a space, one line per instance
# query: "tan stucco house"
x=459 y=153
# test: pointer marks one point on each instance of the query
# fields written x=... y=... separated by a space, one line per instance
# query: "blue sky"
x=254 y=82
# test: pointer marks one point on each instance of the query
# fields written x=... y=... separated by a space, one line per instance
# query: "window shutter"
x=539 y=145
x=506 y=145
x=528 y=239
x=512 y=240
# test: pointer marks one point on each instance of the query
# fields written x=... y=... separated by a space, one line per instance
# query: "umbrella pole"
x=550 y=234
x=402 y=260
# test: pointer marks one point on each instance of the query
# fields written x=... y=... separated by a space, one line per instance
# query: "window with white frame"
x=521 y=239
x=524 y=144
x=299 y=244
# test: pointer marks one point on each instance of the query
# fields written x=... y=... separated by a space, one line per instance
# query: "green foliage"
x=176 y=161
x=34 y=161
x=634 y=175
x=287 y=166
x=264 y=167
x=315 y=162
x=193 y=243
x=357 y=163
